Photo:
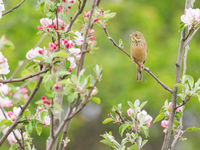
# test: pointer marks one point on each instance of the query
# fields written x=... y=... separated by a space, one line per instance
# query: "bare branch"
x=125 y=52
x=79 y=11
x=10 y=10
x=10 y=129
x=85 y=43
x=25 y=78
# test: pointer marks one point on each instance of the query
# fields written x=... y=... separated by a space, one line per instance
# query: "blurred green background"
x=159 y=22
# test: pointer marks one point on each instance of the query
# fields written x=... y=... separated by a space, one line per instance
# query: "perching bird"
x=138 y=52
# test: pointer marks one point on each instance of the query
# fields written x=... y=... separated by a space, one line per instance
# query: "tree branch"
x=125 y=52
x=85 y=43
x=25 y=78
x=190 y=38
x=10 y=129
x=78 y=12
x=10 y=10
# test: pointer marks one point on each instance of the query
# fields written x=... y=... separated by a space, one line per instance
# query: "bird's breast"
x=139 y=52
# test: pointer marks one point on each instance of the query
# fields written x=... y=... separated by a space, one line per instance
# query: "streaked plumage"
x=138 y=51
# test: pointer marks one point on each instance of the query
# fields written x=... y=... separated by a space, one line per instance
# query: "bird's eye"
x=136 y=34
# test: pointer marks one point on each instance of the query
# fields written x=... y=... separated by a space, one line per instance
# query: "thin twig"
x=25 y=78
x=78 y=12
x=24 y=62
x=125 y=52
x=184 y=102
x=190 y=38
x=71 y=114
x=10 y=10
x=10 y=129
x=18 y=141
x=85 y=43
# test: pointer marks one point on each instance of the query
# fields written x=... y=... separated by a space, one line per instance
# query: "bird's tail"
x=139 y=74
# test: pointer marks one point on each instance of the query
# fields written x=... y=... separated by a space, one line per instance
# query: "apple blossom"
x=52 y=46
x=79 y=38
x=145 y=117
x=45 y=22
x=31 y=54
x=2 y=8
x=46 y=120
x=13 y=115
x=5 y=102
x=60 y=9
x=74 y=51
x=4 y=89
x=164 y=123
x=11 y=138
x=72 y=62
x=91 y=31
x=60 y=22
x=129 y=111
x=40 y=28
x=87 y=14
x=92 y=38
x=4 y=67
x=191 y=17
x=24 y=90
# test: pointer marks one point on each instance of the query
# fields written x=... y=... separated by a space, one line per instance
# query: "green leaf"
x=159 y=117
x=72 y=97
x=107 y=142
x=122 y=128
x=145 y=131
x=144 y=142
x=192 y=129
x=143 y=104
x=39 y=128
x=96 y=100
x=29 y=128
x=5 y=122
x=107 y=120
x=61 y=54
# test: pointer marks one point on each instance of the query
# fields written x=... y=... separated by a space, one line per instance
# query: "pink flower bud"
x=92 y=38
x=40 y=51
x=129 y=112
x=62 y=27
x=165 y=131
x=45 y=101
x=164 y=123
x=40 y=28
x=57 y=86
x=91 y=31
x=64 y=0
x=96 y=20
x=69 y=7
x=170 y=106
x=87 y=14
x=72 y=1
x=24 y=90
x=148 y=125
x=94 y=91
x=109 y=115
x=60 y=9
x=43 y=98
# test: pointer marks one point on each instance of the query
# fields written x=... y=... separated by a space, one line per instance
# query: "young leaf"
x=159 y=117
x=61 y=54
x=107 y=120
x=96 y=100
x=39 y=128
x=122 y=128
x=192 y=129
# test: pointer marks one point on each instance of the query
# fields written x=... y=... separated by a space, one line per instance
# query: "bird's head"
x=136 y=36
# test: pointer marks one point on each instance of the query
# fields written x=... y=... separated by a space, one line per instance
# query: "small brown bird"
x=138 y=52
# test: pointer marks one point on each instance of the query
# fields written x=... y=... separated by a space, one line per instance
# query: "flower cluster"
x=2 y=8
x=51 y=25
x=191 y=17
x=4 y=67
x=142 y=116
x=42 y=116
x=164 y=115
x=35 y=52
